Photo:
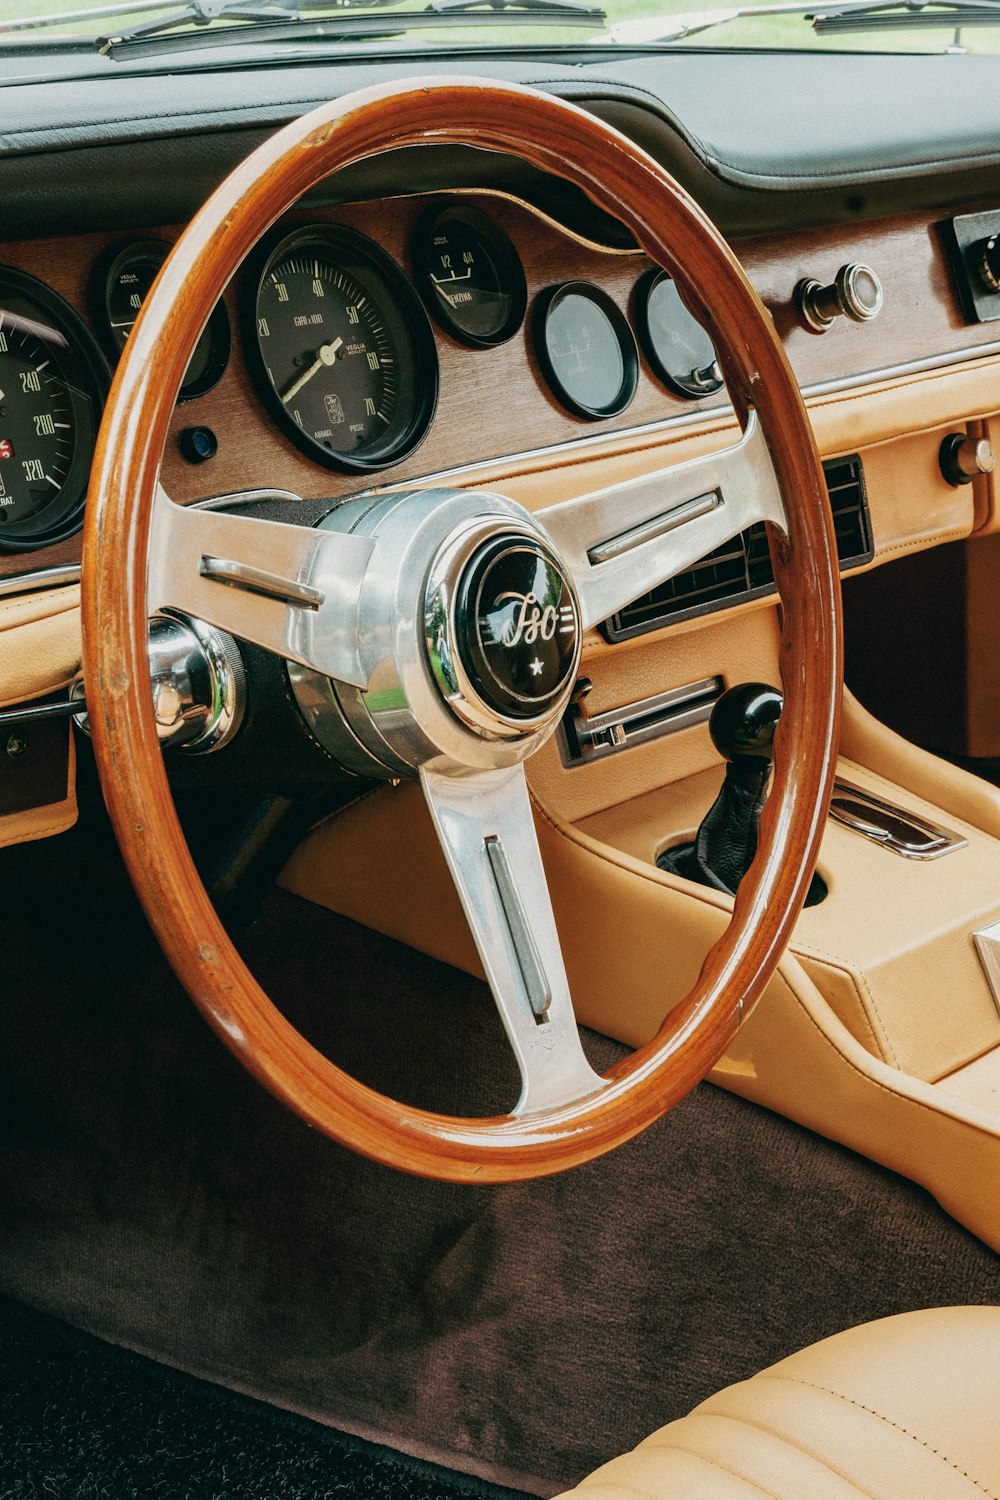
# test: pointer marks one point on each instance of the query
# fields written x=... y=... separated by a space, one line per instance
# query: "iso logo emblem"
x=531 y=621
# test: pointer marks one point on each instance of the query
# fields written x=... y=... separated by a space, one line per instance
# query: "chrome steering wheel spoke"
x=292 y=589
x=484 y=823
x=623 y=541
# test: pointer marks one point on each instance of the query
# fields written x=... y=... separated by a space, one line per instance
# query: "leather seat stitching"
x=789 y=1442
x=616 y=1487
x=715 y=1464
x=812 y=1385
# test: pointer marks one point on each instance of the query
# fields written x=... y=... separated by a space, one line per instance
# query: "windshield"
x=161 y=26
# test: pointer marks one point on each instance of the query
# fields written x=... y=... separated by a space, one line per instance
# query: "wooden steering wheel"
x=418 y=597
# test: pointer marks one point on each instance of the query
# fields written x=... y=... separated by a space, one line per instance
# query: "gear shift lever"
x=742 y=728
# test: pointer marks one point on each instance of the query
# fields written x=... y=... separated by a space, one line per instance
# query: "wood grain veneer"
x=921 y=318
x=554 y=137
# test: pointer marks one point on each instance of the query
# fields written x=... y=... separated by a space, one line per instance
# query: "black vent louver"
x=741 y=569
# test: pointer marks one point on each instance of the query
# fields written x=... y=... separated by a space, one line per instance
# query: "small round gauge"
x=341 y=348
x=676 y=345
x=586 y=350
x=122 y=280
x=470 y=275
x=53 y=380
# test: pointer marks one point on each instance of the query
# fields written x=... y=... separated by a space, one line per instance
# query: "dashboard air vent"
x=741 y=569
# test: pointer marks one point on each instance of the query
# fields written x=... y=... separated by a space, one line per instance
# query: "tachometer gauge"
x=470 y=275
x=341 y=348
x=122 y=280
x=53 y=381
x=586 y=350
x=676 y=345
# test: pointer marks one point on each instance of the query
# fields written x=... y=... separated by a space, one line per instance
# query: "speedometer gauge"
x=341 y=348
x=52 y=385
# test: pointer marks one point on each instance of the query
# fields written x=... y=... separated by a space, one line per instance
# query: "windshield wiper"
x=837 y=16
x=289 y=14
x=955 y=14
x=91 y=13
x=283 y=20
x=672 y=27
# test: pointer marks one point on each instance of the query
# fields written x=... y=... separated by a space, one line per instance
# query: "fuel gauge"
x=470 y=275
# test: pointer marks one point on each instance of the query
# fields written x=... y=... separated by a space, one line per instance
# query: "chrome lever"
x=891 y=827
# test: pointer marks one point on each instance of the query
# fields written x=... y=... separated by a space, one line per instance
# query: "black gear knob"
x=744 y=720
x=742 y=727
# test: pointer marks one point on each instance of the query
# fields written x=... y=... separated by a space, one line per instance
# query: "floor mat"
x=153 y=1194
x=81 y=1419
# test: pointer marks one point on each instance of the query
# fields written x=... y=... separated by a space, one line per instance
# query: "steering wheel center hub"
x=471 y=631
x=518 y=627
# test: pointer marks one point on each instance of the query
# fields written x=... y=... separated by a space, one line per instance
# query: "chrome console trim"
x=584 y=737
x=892 y=827
x=44 y=578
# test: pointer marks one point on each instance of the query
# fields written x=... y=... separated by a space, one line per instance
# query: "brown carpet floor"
x=152 y=1194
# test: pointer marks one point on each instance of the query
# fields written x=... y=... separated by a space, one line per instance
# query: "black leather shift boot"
x=726 y=842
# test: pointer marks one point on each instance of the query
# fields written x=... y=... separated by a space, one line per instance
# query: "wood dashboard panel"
x=494 y=402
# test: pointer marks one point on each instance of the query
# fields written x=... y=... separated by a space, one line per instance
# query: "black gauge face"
x=586 y=350
x=123 y=281
x=52 y=386
x=678 y=348
x=470 y=275
x=342 y=349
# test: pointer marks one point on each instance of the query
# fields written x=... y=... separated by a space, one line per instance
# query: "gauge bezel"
x=686 y=389
x=89 y=373
x=218 y=328
x=418 y=384
x=544 y=305
x=505 y=258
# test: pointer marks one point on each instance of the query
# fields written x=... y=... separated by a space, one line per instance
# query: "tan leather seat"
x=904 y=1409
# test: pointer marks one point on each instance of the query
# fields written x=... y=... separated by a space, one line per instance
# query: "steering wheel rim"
x=561 y=139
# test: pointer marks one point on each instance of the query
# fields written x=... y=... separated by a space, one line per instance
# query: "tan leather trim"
x=912 y=505
x=43 y=822
x=907 y=1408
x=39 y=643
x=906 y=405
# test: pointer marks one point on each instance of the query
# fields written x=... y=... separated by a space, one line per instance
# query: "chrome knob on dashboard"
x=855 y=293
x=963 y=458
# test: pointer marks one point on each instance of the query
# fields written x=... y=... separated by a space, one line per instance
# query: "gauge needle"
x=325 y=355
